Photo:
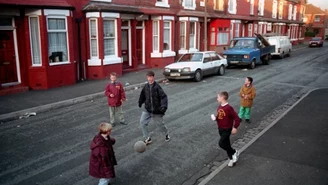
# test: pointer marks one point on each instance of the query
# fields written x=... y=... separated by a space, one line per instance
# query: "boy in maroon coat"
x=102 y=159
x=116 y=95
x=227 y=122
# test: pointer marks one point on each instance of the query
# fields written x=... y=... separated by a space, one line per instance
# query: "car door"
x=207 y=64
x=215 y=63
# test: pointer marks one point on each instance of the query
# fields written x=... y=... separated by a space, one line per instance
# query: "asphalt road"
x=53 y=147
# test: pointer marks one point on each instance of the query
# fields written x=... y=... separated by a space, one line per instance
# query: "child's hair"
x=113 y=74
x=105 y=127
x=150 y=73
x=250 y=79
x=224 y=94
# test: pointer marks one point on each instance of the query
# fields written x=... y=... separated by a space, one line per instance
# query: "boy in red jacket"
x=116 y=95
x=228 y=122
x=102 y=158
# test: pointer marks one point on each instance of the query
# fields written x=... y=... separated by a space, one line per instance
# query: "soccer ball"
x=140 y=146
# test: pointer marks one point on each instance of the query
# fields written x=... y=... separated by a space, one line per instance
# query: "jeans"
x=105 y=181
x=158 y=119
x=224 y=142
x=113 y=111
x=244 y=112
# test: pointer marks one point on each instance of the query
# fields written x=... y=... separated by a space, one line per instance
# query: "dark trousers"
x=224 y=142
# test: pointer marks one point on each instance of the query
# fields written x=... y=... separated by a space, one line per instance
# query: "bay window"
x=109 y=38
x=155 y=36
x=167 y=35
x=219 y=5
x=274 y=9
x=192 y=35
x=182 y=35
x=93 y=38
x=35 y=41
x=57 y=39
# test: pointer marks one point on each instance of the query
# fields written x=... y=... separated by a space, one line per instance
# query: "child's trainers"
x=235 y=156
x=147 y=141
x=230 y=164
x=167 y=138
x=248 y=120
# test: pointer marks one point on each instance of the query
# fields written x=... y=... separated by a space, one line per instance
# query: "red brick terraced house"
x=316 y=21
x=46 y=44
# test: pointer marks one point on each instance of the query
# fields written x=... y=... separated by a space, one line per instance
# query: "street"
x=52 y=148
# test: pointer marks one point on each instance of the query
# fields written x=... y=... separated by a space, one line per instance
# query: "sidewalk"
x=41 y=100
x=293 y=151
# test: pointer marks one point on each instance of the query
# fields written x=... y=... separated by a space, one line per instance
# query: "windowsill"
x=94 y=62
x=168 y=53
x=233 y=12
x=190 y=8
x=162 y=4
x=156 y=55
x=183 y=51
x=112 y=60
x=36 y=65
x=193 y=50
x=59 y=63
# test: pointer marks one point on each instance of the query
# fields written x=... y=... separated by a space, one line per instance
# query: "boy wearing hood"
x=102 y=158
x=247 y=94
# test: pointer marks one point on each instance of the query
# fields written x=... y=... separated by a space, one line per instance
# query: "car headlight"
x=246 y=56
x=186 y=69
x=224 y=56
x=167 y=70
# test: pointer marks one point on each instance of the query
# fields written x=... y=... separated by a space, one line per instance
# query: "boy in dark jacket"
x=116 y=95
x=102 y=159
x=155 y=100
x=227 y=121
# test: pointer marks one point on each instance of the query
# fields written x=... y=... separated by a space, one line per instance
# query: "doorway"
x=125 y=47
x=8 y=68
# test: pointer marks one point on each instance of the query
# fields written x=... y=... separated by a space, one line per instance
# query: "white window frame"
x=107 y=1
x=170 y=35
x=193 y=7
x=232 y=6
x=255 y=28
x=251 y=10
x=274 y=9
x=295 y=13
x=250 y=30
x=39 y=40
x=269 y=27
x=67 y=41
x=97 y=38
x=237 y=30
x=216 y=2
x=261 y=8
x=162 y=3
x=290 y=12
x=185 y=35
x=195 y=36
x=281 y=9
x=157 y=35
x=115 y=38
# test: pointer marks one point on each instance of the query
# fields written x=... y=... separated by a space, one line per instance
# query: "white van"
x=283 y=45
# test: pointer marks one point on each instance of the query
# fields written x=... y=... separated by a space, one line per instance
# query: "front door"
x=139 y=46
x=125 y=48
x=8 y=70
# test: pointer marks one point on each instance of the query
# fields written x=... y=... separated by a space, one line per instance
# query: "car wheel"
x=282 y=55
x=252 y=65
x=289 y=53
x=221 y=70
x=198 y=76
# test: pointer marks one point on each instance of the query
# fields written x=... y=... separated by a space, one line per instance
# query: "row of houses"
x=46 y=44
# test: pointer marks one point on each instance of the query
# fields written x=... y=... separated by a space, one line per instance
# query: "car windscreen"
x=191 y=57
x=316 y=39
x=243 y=43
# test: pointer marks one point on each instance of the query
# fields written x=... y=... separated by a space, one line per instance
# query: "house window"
x=35 y=41
x=269 y=27
x=260 y=29
x=237 y=25
x=167 y=35
x=223 y=36
x=189 y=4
x=109 y=37
x=192 y=35
x=155 y=36
x=182 y=35
x=290 y=12
x=219 y=5
x=281 y=8
x=261 y=7
x=57 y=39
x=317 y=18
x=93 y=38
x=295 y=12
x=252 y=7
x=232 y=6
x=255 y=28
x=274 y=9
x=250 y=30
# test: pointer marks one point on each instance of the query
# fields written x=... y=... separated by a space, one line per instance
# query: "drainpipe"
x=80 y=75
x=205 y=26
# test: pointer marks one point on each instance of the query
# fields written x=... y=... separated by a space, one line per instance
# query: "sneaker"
x=167 y=138
x=248 y=120
x=147 y=141
x=241 y=120
x=230 y=164
x=235 y=156
x=123 y=123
